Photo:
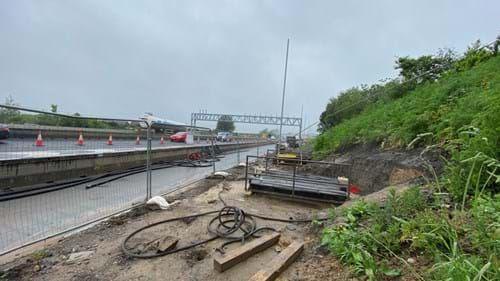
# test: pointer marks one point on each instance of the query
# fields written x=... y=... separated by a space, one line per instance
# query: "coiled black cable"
x=228 y=221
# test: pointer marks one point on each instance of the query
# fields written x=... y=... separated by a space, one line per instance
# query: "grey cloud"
x=122 y=58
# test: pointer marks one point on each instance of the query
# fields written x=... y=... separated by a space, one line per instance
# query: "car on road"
x=179 y=137
x=4 y=132
x=224 y=136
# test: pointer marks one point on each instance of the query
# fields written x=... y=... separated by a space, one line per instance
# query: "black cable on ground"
x=70 y=183
x=106 y=178
x=228 y=221
x=180 y=163
x=6 y=196
x=129 y=252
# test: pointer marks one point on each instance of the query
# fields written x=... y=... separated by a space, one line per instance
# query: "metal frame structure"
x=249 y=119
x=301 y=187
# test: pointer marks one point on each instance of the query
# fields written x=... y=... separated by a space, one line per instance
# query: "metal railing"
x=294 y=180
x=52 y=183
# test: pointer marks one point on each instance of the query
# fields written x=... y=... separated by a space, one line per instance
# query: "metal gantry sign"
x=249 y=119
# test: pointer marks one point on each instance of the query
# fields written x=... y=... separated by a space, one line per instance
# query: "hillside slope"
x=448 y=229
x=443 y=108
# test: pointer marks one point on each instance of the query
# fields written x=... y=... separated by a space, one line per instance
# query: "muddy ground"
x=101 y=257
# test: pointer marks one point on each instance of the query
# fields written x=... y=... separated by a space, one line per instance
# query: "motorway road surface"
x=25 y=148
x=27 y=219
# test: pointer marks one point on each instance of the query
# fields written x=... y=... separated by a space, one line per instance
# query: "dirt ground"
x=105 y=260
x=372 y=168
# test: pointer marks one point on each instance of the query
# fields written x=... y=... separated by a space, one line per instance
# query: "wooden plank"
x=233 y=257
x=278 y=264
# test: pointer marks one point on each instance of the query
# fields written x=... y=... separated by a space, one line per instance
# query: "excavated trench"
x=371 y=169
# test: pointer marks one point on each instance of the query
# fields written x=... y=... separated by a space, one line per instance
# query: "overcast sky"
x=123 y=58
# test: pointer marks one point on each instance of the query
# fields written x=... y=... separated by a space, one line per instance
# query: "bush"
x=425 y=68
x=353 y=246
x=485 y=229
x=473 y=56
x=458 y=245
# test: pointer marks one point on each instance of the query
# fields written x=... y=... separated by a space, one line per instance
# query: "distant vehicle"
x=292 y=142
x=224 y=136
x=283 y=146
x=179 y=137
x=4 y=132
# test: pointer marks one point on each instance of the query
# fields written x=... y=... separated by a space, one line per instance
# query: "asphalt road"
x=25 y=148
x=27 y=219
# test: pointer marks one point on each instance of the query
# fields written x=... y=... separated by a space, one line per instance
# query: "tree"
x=225 y=124
x=266 y=133
x=476 y=54
x=9 y=115
x=53 y=108
x=425 y=68
x=345 y=105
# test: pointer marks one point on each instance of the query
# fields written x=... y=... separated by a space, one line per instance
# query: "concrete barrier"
x=26 y=172
x=30 y=131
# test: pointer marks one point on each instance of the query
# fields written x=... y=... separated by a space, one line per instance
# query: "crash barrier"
x=54 y=187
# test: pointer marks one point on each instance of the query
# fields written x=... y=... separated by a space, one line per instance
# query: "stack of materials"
x=305 y=187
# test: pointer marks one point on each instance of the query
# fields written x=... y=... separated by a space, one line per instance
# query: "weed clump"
x=375 y=240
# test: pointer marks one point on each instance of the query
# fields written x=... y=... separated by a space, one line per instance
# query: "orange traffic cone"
x=80 y=139
x=138 y=140
x=162 y=141
x=39 y=140
x=110 y=140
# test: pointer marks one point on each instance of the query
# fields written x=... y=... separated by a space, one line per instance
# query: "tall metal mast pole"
x=283 y=96
x=301 y=119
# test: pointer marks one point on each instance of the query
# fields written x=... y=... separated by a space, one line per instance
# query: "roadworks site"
x=97 y=253
x=422 y=153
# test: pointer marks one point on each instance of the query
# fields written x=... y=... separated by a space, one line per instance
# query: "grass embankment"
x=447 y=230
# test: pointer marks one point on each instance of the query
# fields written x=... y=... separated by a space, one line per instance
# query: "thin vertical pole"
x=148 y=162
x=213 y=152
x=283 y=95
x=246 y=174
x=238 y=155
x=301 y=118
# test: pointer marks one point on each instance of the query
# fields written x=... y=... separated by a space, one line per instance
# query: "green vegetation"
x=444 y=108
x=11 y=116
x=433 y=242
x=413 y=72
x=450 y=228
x=225 y=124
x=266 y=133
x=40 y=255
